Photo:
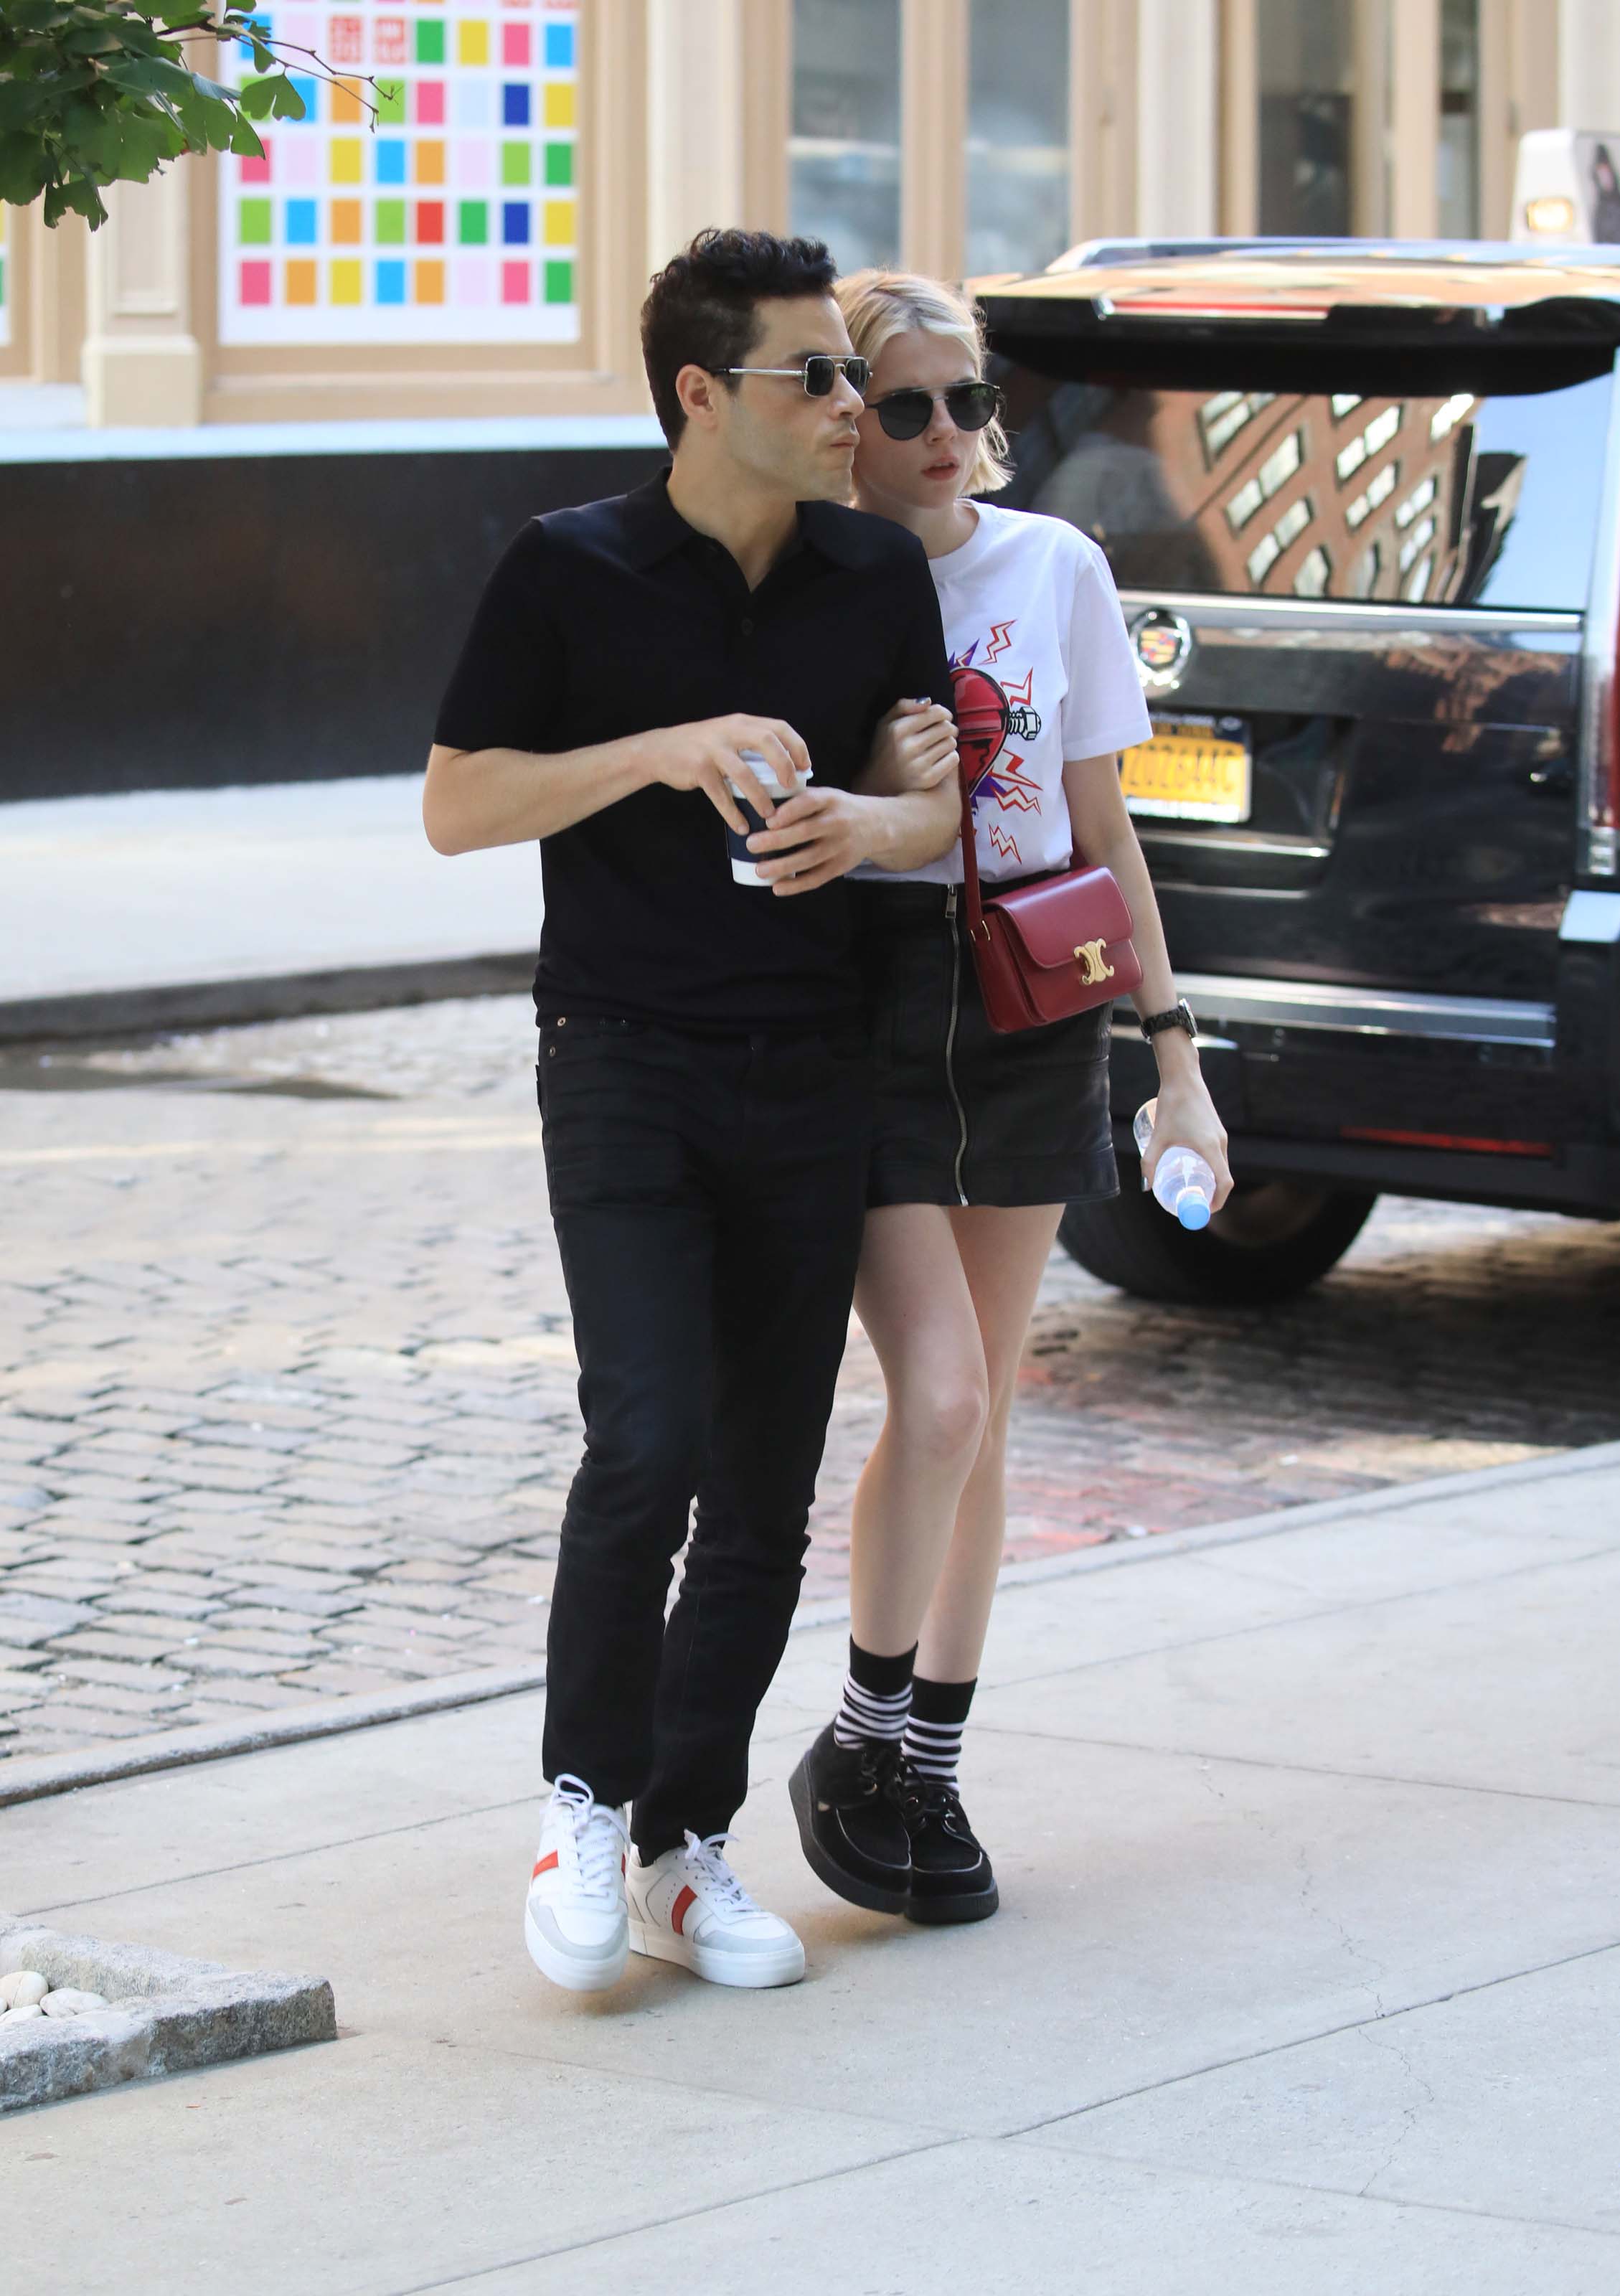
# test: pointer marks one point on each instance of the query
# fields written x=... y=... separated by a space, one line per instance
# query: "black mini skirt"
x=966 y=1116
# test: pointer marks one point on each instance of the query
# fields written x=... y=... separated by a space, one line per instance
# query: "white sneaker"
x=575 y=1922
x=689 y=1906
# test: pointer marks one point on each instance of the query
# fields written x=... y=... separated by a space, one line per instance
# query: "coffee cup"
x=745 y=867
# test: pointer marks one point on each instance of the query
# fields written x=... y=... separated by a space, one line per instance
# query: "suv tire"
x=1270 y=1239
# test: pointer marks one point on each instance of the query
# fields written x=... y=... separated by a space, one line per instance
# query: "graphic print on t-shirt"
x=988 y=714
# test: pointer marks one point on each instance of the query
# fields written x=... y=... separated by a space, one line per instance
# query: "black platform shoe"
x=853 y=1833
x=951 y=1879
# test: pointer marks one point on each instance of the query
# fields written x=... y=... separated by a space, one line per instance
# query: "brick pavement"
x=286 y=1385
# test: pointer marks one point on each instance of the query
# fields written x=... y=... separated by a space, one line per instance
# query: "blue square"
x=560 y=47
x=514 y=222
x=310 y=90
x=391 y=160
x=390 y=282
x=514 y=105
x=301 y=225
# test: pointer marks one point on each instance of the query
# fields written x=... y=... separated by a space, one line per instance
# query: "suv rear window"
x=1461 y=497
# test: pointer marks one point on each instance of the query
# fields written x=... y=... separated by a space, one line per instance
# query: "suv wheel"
x=1270 y=1239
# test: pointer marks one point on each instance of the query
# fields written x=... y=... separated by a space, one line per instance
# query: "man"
x=703 y=1076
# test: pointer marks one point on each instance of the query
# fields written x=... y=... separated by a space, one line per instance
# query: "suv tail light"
x=1603 y=791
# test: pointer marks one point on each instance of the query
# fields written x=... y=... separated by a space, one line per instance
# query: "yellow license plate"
x=1193 y=769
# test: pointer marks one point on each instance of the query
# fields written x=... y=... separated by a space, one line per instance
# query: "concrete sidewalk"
x=182 y=907
x=1306 y=1976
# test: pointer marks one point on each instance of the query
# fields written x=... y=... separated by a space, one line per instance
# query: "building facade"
x=480 y=246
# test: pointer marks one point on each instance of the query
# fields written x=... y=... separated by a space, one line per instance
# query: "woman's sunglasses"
x=816 y=373
x=907 y=414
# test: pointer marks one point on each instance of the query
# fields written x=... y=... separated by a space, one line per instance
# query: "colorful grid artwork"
x=451 y=220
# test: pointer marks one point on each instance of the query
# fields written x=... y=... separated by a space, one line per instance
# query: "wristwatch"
x=1179 y=1016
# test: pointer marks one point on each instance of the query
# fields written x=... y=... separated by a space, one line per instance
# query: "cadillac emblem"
x=1163 y=645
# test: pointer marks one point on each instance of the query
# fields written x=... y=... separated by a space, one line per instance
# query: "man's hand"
x=914 y=748
x=827 y=829
x=705 y=756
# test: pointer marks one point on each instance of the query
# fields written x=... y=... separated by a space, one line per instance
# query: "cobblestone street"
x=286 y=1383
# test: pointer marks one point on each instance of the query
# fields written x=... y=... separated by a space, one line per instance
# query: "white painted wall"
x=1589 y=63
x=1178 y=109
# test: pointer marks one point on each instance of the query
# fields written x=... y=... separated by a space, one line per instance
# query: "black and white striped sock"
x=877 y=1693
x=932 y=1742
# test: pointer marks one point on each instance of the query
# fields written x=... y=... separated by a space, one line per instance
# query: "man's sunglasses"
x=907 y=414
x=817 y=372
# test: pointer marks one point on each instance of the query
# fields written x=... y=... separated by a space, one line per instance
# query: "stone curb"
x=268 y=997
x=165 y=2015
x=55 y=1774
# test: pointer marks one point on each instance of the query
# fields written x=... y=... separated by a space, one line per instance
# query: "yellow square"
x=346 y=103
x=559 y=222
x=346 y=280
x=345 y=157
x=300 y=280
x=430 y=279
x=346 y=226
x=559 y=103
x=430 y=161
x=472 y=43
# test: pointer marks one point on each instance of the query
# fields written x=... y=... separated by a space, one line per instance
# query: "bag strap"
x=969 y=860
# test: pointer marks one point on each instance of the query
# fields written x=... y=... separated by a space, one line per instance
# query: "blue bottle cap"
x=1192 y=1210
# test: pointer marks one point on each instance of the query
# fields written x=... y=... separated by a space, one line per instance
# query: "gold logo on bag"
x=1093 y=965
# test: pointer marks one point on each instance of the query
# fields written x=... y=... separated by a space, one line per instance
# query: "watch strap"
x=1179 y=1016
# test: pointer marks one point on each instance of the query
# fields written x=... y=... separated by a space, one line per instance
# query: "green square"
x=390 y=102
x=514 y=163
x=474 y=224
x=253 y=223
x=430 y=41
x=559 y=163
x=559 y=283
x=391 y=223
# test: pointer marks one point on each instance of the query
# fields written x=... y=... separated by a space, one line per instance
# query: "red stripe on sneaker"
x=545 y=1865
x=682 y=1905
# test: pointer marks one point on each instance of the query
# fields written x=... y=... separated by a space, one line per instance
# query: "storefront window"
x=450 y=218
x=1307 y=146
x=1457 y=157
x=1018 y=135
x=844 y=158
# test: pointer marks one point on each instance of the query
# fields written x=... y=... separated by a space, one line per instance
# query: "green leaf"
x=287 y=103
x=24 y=171
x=244 y=143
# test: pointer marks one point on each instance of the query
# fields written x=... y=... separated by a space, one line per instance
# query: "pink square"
x=255 y=282
x=258 y=171
x=515 y=44
x=474 y=280
x=299 y=30
x=515 y=282
x=300 y=161
x=429 y=103
x=473 y=163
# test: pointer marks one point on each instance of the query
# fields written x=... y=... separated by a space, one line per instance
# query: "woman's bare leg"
x=1003 y=1253
x=913 y=1298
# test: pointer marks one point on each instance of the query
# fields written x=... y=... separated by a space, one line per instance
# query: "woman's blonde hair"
x=879 y=305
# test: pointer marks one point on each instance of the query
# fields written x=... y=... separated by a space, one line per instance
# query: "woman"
x=982 y=1139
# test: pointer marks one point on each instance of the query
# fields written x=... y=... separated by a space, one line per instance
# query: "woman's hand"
x=1185 y=1117
x=914 y=748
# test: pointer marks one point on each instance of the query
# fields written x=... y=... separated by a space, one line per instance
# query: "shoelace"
x=706 y=1854
x=593 y=1838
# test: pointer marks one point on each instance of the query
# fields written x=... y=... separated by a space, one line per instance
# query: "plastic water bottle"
x=1184 y=1184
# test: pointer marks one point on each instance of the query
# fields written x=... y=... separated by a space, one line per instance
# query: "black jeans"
x=708 y=1197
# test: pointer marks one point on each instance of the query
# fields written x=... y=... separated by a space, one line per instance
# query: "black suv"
x=1362 y=503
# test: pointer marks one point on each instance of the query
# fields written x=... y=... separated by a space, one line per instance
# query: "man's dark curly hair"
x=702 y=309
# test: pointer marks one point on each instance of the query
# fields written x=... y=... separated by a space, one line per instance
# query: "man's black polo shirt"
x=618 y=618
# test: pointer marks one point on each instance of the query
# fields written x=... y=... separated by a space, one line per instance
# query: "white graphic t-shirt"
x=1042 y=670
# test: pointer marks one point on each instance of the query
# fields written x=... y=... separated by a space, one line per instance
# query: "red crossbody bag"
x=1050 y=949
